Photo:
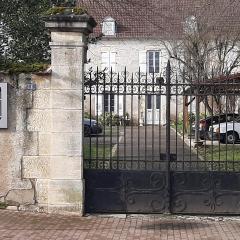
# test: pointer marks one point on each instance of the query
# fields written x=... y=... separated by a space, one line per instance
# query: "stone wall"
x=16 y=141
x=42 y=164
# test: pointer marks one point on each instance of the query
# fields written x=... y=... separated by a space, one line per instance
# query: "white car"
x=227 y=132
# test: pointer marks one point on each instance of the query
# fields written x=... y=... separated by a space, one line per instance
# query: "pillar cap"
x=70 y=23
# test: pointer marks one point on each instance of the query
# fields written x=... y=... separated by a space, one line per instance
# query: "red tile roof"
x=162 y=18
x=233 y=78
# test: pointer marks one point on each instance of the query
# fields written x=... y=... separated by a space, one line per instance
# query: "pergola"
x=221 y=86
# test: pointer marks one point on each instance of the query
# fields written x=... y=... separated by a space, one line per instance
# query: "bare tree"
x=205 y=52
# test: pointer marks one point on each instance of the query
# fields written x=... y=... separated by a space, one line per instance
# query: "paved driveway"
x=150 y=142
x=144 y=147
x=30 y=226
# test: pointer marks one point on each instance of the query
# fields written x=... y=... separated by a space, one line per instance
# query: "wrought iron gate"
x=134 y=166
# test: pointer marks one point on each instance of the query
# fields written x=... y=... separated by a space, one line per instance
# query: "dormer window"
x=191 y=25
x=109 y=27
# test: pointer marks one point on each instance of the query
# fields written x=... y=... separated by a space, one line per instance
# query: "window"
x=153 y=61
x=158 y=102
x=109 y=102
x=109 y=26
x=108 y=61
x=3 y=105
x=153 y=102
x=149 y=101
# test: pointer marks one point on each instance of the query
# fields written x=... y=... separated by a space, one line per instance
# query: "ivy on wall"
x=17 y=68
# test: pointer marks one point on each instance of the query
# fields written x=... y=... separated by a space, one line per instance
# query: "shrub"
x=109 y=119
x=191 y=117
x=55 y=11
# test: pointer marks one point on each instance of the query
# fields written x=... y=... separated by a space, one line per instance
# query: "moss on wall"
x=17 y=68
x=65 y=11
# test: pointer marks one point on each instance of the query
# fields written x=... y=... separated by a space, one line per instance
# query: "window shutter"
x=99 y=104
x=113 y=61
x=3 y=105
x=105 y=63
x=119 y=105
x=143 y=61
x=163 y=61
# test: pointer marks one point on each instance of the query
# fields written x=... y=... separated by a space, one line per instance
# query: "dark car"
x=91 y=127
x=206 y=123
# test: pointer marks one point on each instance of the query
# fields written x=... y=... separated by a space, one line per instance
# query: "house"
x=135 y=33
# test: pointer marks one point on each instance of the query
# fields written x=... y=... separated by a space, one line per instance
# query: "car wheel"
x=232 y=137
x=202 y=137
x=87 y=131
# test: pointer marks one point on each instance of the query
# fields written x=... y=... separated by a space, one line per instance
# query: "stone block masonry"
x=51 y=165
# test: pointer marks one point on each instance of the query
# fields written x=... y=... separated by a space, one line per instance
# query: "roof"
x=233 y=78
x=162 y=18
x=223 y=84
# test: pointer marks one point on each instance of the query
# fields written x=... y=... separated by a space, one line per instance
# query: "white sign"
x=3 y=105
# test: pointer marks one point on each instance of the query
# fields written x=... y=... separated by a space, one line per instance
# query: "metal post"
x=197 y=120
x=168 y=137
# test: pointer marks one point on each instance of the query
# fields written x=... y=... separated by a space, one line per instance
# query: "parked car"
x=205 y=124
x=227 y=132
x=91 y=127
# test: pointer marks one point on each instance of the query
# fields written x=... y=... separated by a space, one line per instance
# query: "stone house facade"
x=132 y=55
x=134 y=36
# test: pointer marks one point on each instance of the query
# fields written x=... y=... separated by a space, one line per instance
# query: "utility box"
x=3 y=105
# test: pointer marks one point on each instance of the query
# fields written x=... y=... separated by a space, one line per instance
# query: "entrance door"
x=153 y=109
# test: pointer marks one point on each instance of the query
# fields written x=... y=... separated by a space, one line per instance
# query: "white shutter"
x=105 y=63
x=98 y=104
x=118 y=105
x=3 y=105
x=113 y=61
x=164 y=57
x=143 y=61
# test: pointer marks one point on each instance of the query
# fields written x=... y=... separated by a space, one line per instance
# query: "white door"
x=153 y=103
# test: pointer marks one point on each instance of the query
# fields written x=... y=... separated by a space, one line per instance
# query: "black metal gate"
x=156 y=144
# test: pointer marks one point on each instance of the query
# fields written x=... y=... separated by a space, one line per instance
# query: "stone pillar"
x=69 y=46
x=57 y=117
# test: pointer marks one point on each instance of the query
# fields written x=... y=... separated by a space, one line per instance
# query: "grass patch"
x=97 y=157
x=179 y=127
x=222 y=157
x=219 y=157
x=221 y=153
x=3 y=205
x=97 y=151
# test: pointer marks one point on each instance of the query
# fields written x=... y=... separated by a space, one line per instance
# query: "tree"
x=3 y=45
x=23 y=24
x=24 y=28
x=206 y=52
